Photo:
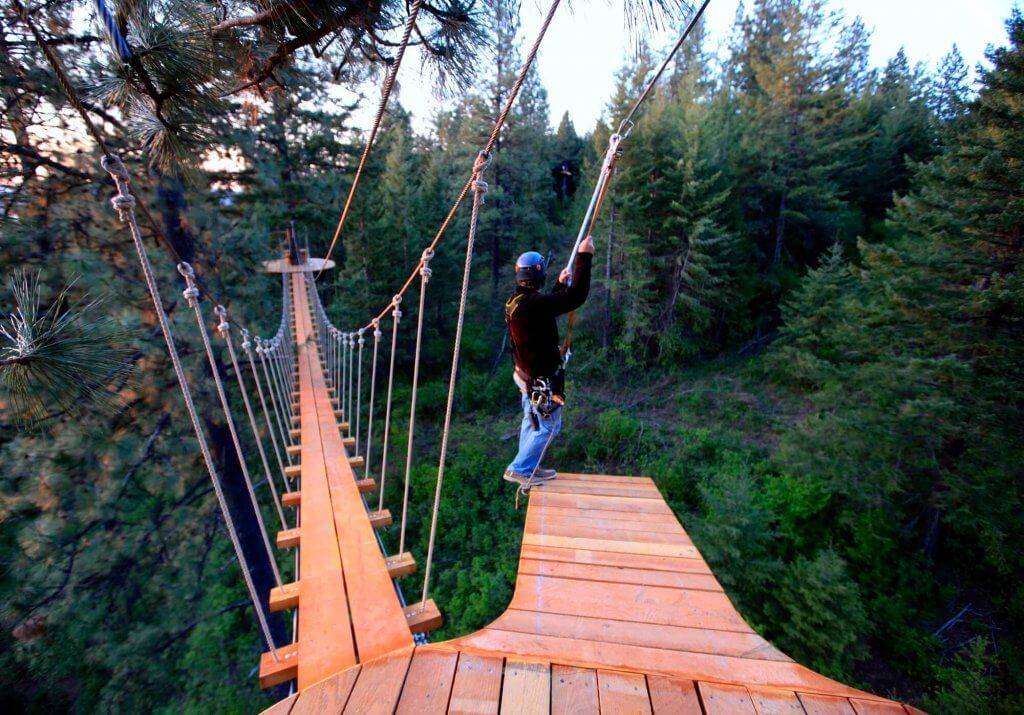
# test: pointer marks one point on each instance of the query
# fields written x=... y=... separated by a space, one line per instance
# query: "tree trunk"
x=780 y=233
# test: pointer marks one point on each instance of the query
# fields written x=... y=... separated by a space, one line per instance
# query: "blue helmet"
x=531 y=270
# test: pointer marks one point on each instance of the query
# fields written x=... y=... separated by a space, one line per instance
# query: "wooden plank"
x=279 y=667
x=356 y=462
x=423 y=617
x=628 y=602
x=288 y=539
x=875 y=707
x=348 y=442
x=552 y=527
x=401 y=565
x=658 y=661
x=291 y=498
x=613 y=478
x=526 y=688
x=477 y=686
x=619 y=574
x=293 y=471
x=771 y=701
x=603 y=630
x=825 y=704
x=611 y=490
x=573 y=690
x=327 y=696
x=606 y=558
x=381 y=518
x=293 y=450
x=673 y=696
x=622 y=547
x=624 y=693
x=284 y=597
x=379 y=684
x=721 y=699
x=366 y=485
x=428 y=683
x=541 y=497
x=619 y=520
x=326 y=644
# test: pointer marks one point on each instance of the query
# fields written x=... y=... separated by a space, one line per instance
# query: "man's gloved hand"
x=564 y=276
x=588 y=245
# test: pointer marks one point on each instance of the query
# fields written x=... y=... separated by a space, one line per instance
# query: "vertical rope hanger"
x=247 y=347
x=396 y=316
x=224 y=328
x=359 y=385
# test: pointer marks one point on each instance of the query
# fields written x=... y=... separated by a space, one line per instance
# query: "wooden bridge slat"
x=477 y=686
x=825 y=704
x=526 y=688
x=622 y=547
x=623 y=693
x=722 y=699
x=619 y=574
x=327 y=696
x=611 y=490
x=379 y=684
x=673 y=696
x=599 y=478
x=626 y=521
x=771 y=701
x=557 y=527
x=573 y=690
x=598 y=502
x=326 y=645
x=607 y=558
x=603 y=630
x=875 y=707
x=428 y=683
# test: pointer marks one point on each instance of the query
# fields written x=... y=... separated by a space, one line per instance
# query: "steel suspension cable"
x=424 y=279
x=373 y=390
x=351 y=357
x=262 y=352
x=396 y=316
x=359 y=385
x=389 y=83
x=247 y=347
x=479 y=190
x=191 y=294
x=124 y=204
x=224 y=328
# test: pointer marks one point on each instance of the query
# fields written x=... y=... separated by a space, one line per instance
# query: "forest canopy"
x=807 y=326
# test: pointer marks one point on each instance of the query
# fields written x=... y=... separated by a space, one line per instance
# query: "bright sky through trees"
x=588 y=41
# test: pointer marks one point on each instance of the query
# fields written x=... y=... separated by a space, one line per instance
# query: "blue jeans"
x=532 y=443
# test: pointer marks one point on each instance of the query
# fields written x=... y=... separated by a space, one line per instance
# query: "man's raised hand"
x=588 y=245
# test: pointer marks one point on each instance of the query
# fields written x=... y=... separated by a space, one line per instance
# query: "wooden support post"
x=366 y=485
x=401 y=565
x=424 y=617
x=291 y=498
x=295 y=433
x=293 y=471
x=288 y=539
x=356 y=461
x=347 y=442
x=284 y=668
x=284 y=597
x=294 y=450
x=380 y=519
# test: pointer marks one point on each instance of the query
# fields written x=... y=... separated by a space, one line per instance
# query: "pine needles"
x=60 y=357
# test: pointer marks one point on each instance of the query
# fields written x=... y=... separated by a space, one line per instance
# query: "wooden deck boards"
x=609 y=615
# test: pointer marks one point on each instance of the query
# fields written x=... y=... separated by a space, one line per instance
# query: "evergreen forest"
x=806 y=325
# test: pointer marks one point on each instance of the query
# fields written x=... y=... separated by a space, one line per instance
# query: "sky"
x=587 y=43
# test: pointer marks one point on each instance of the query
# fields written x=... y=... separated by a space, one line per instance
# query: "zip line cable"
x=389 y=84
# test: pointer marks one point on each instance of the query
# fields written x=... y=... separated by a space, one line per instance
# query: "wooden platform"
x=614 y=611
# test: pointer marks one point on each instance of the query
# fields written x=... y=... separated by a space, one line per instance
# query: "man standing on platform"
x=539 y=373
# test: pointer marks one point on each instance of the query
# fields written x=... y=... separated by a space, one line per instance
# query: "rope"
x=124 y=204
x=351 y=356
x=224 y=328
x=479 y=190
x=627 y=121
x=262 y=352
x=396 y=315
x=247 y=347
x=191 y=294
x=487 y=149
x=359 y=385
x=389 y=83
x=424 y=278
x=373 y=389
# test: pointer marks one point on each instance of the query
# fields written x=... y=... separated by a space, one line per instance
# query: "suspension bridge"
x=614 y=609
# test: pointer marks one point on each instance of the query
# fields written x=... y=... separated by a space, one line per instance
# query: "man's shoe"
x=544 y=475
x=515 y=477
